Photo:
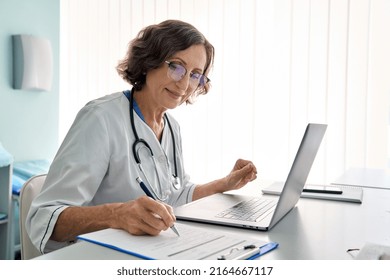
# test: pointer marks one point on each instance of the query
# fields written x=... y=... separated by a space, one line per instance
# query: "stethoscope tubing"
x=145 y=143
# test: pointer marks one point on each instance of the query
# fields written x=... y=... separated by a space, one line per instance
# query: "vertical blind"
x=279 y=65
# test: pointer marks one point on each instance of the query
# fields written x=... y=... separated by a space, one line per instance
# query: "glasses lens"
x=203 y=80
x=195 y=79
x=176 y=71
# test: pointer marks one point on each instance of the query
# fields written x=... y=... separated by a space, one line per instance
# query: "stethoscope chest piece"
x=176 y=182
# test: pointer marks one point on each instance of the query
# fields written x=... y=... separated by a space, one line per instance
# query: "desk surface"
x=314 y=229
x=365 y=177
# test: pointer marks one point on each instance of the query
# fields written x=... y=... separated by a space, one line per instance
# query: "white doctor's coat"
x=95 y=165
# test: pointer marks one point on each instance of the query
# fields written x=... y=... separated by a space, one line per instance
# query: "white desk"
x=315 y=229
x=365 y=177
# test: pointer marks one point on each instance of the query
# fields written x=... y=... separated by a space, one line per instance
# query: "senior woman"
x=125 y=138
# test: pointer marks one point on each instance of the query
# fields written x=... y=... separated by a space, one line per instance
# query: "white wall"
x=28 y=119
x=279 y=64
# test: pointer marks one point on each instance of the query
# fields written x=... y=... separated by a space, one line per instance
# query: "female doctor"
x=121 y=139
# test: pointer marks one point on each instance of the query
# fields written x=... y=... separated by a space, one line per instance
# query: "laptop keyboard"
x=253 y=210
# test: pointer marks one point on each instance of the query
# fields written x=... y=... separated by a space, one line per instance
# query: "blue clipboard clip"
x=265 y=249
x=248 y=252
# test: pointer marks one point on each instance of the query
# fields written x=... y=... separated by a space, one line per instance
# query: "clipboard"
x=193 y=244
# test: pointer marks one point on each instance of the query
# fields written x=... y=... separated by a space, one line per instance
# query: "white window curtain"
x=279 y=65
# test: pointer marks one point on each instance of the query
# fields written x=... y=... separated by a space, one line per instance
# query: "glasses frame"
x=201 y=76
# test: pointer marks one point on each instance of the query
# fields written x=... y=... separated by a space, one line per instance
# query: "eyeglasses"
x=177 y=72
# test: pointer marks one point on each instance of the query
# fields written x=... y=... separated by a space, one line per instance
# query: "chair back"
x=30 y=190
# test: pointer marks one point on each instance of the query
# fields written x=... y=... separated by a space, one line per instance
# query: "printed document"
x=193 y=243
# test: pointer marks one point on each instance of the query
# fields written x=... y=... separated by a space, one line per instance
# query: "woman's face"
x=165 y=91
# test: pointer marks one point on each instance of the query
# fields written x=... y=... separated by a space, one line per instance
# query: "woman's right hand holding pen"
x=144 y=215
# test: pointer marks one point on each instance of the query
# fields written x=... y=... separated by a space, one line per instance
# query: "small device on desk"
x=322 y=189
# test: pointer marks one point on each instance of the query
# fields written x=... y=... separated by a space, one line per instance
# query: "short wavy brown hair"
x=155 y=44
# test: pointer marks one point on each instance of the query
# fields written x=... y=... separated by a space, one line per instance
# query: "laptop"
x=259 y=213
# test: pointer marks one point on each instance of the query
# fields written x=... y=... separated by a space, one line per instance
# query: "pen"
x=148 y=193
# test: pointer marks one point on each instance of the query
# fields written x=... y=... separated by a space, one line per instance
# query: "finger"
x=253 y=174
x=142 y=219
x=170 y=210
x=240 y=163
x=143 y=229
x=153 y=222
x=159 y=212
x=248 y=171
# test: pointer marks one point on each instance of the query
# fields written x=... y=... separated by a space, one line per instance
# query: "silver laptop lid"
x=300 y=170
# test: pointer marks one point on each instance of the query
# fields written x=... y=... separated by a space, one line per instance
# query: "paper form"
x=193 y=243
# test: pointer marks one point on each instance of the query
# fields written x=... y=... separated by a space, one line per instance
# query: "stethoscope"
x=141 y=142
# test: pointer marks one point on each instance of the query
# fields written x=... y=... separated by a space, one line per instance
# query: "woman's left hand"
x=243 y=172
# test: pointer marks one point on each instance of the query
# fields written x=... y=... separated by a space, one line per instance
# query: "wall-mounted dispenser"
x=32 y=63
